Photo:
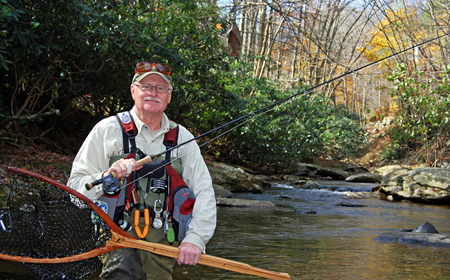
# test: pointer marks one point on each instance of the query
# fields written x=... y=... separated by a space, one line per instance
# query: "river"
x=335 y=243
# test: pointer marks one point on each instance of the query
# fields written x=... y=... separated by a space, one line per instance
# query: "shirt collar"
x=140 y=124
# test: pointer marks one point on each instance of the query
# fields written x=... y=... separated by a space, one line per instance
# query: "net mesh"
x=40 y=220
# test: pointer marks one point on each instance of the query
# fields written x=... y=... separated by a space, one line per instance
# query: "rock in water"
x=426 y=228
x=425 y=234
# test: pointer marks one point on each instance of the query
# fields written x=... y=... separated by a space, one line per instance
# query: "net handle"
x=120 y=239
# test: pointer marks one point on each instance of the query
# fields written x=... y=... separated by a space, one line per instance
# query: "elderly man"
x=103 y=153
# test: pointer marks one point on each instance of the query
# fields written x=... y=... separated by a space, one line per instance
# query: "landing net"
x=42 y=221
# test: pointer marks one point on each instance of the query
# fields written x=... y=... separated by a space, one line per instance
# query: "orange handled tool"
x=137 y=215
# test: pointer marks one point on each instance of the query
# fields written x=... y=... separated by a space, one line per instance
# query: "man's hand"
x=123 y=168
x=189 y=254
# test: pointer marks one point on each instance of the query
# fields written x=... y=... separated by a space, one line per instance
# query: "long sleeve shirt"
x=105 y=141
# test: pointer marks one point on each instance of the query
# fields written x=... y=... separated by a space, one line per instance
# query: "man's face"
x=151 y=101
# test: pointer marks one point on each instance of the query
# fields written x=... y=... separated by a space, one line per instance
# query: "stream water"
x=335 y=243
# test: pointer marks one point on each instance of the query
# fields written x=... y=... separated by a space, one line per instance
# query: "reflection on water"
x=335 y=243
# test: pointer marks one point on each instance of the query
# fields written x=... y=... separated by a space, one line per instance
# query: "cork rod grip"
x=139 y=163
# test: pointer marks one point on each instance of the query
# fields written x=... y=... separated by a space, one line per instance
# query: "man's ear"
x=132 y=89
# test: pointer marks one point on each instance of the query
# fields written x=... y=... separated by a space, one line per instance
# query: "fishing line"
x=185 y=154
x=304 y=91
x=273 y=105
x=218 y=136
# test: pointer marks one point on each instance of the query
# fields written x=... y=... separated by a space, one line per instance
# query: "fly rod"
x=254 y=113
x=266 y=108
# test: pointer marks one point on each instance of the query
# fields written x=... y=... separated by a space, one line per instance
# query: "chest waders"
x=158 y=191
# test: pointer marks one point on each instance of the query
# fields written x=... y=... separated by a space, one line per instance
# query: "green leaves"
x=302 y=128
x=422 y=112
x=80 y=55
x=86 y=50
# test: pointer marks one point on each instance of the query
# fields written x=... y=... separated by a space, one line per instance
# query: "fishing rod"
x=299 y=93
x=262 y=110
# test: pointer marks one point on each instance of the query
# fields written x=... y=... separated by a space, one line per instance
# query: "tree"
x=388 y=36
x=66 y=55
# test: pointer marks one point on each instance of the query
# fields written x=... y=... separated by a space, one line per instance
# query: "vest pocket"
x=183 y=205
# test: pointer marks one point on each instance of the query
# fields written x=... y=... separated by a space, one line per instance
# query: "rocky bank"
x=394 y=182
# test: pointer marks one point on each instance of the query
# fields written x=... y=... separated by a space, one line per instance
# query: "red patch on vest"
x=187 y=206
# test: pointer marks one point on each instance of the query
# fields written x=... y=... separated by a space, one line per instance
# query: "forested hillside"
x=64 y=65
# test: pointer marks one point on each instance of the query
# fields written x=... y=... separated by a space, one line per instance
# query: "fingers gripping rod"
x=111 y=180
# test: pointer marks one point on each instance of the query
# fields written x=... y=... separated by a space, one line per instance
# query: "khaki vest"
x=151 y=197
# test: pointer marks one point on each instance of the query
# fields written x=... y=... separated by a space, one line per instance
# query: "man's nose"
x=153 y=90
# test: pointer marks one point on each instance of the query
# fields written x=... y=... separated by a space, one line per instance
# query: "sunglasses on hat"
x=143 y=67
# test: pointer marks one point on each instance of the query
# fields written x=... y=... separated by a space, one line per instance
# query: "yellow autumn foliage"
x=394 y=34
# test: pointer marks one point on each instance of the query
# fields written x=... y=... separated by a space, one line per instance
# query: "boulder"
x=432 y=177
x=222 y=192
x=266 y=184
x=234 y=179
x=426 y=228
x=332 y=169
x=363 y=195
x=388 y=169
x=262 y=177
x=425 y=234
x=365 y=178
x=310 y=185
x=336 y=174
x=395 y=178
x=430 y=185
x=305 y=169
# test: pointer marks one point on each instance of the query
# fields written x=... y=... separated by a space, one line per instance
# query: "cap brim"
x=139 y=77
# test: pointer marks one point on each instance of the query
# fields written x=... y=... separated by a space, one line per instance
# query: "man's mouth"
x=147 y=98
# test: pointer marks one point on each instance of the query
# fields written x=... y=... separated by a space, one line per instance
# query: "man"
x=102 y=153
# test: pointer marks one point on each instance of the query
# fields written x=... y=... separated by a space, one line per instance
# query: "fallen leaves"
x=34 y=158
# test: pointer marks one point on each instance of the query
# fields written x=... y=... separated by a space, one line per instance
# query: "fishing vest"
x=157 y=186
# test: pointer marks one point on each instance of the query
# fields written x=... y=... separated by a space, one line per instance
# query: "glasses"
x=143 y=67
x=149 y=88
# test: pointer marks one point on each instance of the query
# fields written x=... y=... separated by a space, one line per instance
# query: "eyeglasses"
x=143 y=67
x=149 y=88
